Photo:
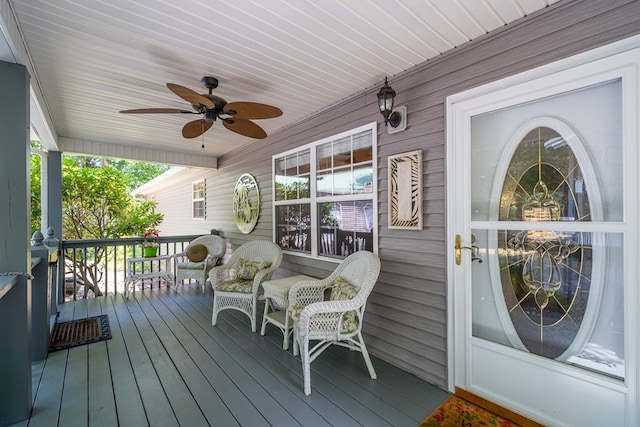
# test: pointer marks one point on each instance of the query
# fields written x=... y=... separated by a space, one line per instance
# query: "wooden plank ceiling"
x=90 y=59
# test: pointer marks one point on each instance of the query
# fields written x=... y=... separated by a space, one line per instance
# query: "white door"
x=543 y=240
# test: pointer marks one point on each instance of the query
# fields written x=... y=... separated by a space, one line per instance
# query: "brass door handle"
x=458 y=247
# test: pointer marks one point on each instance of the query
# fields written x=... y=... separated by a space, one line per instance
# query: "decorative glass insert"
x=546 y=279
x=545 y=275
x=549 y=188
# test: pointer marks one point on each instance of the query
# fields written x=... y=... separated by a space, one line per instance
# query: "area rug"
x=79 y=332
x=457 y=412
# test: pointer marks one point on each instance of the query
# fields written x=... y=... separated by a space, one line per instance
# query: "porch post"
x=54 y=216
x=15 y=254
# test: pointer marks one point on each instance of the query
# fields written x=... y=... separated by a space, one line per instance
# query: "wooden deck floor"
x=166 y=365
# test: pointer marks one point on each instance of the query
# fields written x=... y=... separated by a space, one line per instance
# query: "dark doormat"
x=79 y=332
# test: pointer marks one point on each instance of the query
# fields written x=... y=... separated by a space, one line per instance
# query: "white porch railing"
x=96 y=267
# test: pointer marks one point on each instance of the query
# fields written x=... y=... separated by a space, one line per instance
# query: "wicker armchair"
x=337 y=320
x=199 y=270
x=237 y=282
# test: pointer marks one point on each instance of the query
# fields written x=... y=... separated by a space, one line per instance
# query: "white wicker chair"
x=235 y=290
x=338 y=321
x=199 y=271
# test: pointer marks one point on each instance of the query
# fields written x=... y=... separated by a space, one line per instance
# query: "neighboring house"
x=174 y=192
x=414 y=313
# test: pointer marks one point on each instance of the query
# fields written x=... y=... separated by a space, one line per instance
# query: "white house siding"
x=406 y=314
x=173 y=196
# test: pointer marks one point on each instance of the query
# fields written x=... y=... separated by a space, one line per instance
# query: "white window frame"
x=314 y=200
x=202 y=199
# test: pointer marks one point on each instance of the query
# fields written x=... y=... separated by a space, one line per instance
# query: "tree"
x=96 y=204
x=138 y=173
x=36 y=196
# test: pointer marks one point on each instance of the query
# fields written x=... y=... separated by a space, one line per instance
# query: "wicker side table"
x=276 y=301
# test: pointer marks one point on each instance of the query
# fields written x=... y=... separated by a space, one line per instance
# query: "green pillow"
x=197 y=252
x=341 y=290
x=247 y=270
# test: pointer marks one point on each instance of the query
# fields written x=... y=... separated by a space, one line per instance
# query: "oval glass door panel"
x=555 y=283
x=545 y=275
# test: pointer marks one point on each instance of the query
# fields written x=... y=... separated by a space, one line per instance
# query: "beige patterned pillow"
x=247 y=270
x=343 y=290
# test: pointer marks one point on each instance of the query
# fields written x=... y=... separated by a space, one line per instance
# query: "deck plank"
x=171 y=386
x=172 y=335
x=102 y=406
x=47 y=398
x=129 y=406
x=74 y=405
x=157 y=407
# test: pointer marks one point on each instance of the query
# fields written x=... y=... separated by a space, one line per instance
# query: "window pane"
x=345 y=227
x=342 y=181
x=362 y=179
x=304 y=174
x=324 y=154
x=294 y=227
x=198 y=190
x=198 y=209
x=303 y=187
x=342 y=152
x=363 y=154
x=292 y=175
x=324 y=183
x=362 y=143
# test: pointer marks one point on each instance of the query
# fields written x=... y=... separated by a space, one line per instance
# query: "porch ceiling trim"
x=152 y=155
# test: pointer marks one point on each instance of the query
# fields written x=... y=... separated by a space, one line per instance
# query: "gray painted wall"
x=406 y=315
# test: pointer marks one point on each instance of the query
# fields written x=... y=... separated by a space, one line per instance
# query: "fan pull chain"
x=202 y=124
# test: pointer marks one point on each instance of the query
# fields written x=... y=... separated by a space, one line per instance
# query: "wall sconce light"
x=386 y=96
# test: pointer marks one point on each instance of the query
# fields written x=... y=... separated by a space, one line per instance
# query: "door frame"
x=523 y=87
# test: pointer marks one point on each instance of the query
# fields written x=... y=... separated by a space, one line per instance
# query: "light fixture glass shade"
x=385 y=99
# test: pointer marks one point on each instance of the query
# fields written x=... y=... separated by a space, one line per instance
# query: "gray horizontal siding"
x=406 y=315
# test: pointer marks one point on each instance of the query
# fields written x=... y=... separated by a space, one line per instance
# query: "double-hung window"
x=325 y=201
x=198 y=199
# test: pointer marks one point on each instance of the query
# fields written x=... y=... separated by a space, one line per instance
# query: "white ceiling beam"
x=151 y=155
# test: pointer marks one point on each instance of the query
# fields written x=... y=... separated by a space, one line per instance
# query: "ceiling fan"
x=235 y=116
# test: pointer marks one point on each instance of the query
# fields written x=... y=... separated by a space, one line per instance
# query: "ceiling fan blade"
x=190 y=96
x=196 y=128
x=156 y=110
x=244 y=127
x=252 y=110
